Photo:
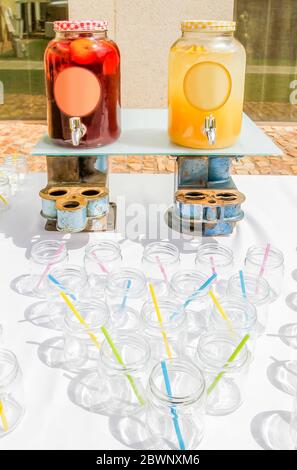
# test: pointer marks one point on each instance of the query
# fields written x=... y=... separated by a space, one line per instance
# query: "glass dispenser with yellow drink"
x=206 y=85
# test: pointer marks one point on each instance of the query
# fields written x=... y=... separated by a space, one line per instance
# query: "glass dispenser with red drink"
x=82 y=69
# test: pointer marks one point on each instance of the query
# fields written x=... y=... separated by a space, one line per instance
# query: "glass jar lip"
x=240 y=303
x=191 y=369
x=203 y=256
x=4 y=180
x=126 y=274
x=257 y=296
x=43 y=246
x=112 y=246
x=255 y=250
x=127 y=339
x=210 y=362
x=72 y=324
x=6 y=355
x=204 y=26
x=176 y=279
x=156 y=249
x=177 y=312
x=80 y=26
x=67 y=268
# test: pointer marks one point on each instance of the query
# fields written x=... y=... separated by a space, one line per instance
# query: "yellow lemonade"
x=206 y=88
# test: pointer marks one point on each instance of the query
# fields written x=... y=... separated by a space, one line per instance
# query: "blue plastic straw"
x=242 y=283
x=197 y=291
x=123 y=305
x=172 y=408
x=58 y=284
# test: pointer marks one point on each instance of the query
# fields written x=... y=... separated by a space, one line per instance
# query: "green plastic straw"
x=120 y=361
x=231 y=358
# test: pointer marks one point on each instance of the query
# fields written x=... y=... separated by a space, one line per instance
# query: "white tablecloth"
x=52 y=420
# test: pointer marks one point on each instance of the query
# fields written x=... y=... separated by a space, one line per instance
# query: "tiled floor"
x=17 y=137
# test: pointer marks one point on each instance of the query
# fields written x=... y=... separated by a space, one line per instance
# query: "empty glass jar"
x=12 y=406
x=214 y=258
x=272 y=267
x=101 y=258
x=241 y=319
x=20 y=163
x=126 y=383
x=173 y=324
x=160 y=260
x=176 y=405
x=45 y=256
x=225 y=381
x=83 y=341
x=9 y=169
x=257 y=293
x=70 y=279
x=5 y=192
x=126 y=290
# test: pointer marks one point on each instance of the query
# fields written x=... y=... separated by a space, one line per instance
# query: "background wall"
x=144 y=31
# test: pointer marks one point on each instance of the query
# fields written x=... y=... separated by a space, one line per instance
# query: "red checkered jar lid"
x=75 y=25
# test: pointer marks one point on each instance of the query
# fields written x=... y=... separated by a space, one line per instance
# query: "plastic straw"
x=80 y=319
x=49 y=265
x=213 y=266
x=58 y=284
x=197 y=291
x=3 y=417
x=4 y=200
x=101 y=265
x=172 y=408
x=263 y=265
x=221 y=311
x=160 y=319
x=163 y=270
x=124 y=301
x=231 y=358
x=120 y=361
x=242 y=283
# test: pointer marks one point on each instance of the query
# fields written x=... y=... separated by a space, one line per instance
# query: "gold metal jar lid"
x=208 y=25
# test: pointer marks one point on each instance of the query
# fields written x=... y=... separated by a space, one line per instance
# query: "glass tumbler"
x=174 y=327
x=126 y=291
x=241 y=319
x=12 y=406
x=214 y=258
x=225 y=380
x=160 y=260
x=101 y=258
x=176 y=405
x=272 y=269
x=45 y=255
x=82 y=342
x=257 y=293
x=126 y=384
x=5 y=192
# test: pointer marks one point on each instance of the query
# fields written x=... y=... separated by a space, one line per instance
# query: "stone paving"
x=18 y=137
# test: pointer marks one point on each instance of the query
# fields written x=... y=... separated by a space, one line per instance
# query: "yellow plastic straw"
x=80 y=319
x=221 y=311
x=3 y=200
x=120 y=361
x=165 y=339
x=231 y=358
x=3 y=418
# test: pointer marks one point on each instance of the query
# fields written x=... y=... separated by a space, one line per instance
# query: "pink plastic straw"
x=48 y=267
x=162 y=269
x=265 y=258
x=101 y=265
x=213 y=267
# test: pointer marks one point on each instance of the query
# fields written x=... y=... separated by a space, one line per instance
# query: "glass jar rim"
x=175 y=283
x=191 y=369
x=261 y=294
x=38 y=249
x=154 y=325
x=204 y=257
x=125 y=339
x=210 y=362
x=110 y=245
x=73 y=325
x=8 y=356
x=126 y=274
x=241 y=304
x=171 y=251
x=4 y=180
x=255 y=250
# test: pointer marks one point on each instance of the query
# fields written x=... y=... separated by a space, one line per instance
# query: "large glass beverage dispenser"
x=82 y=69
x=206 y=85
